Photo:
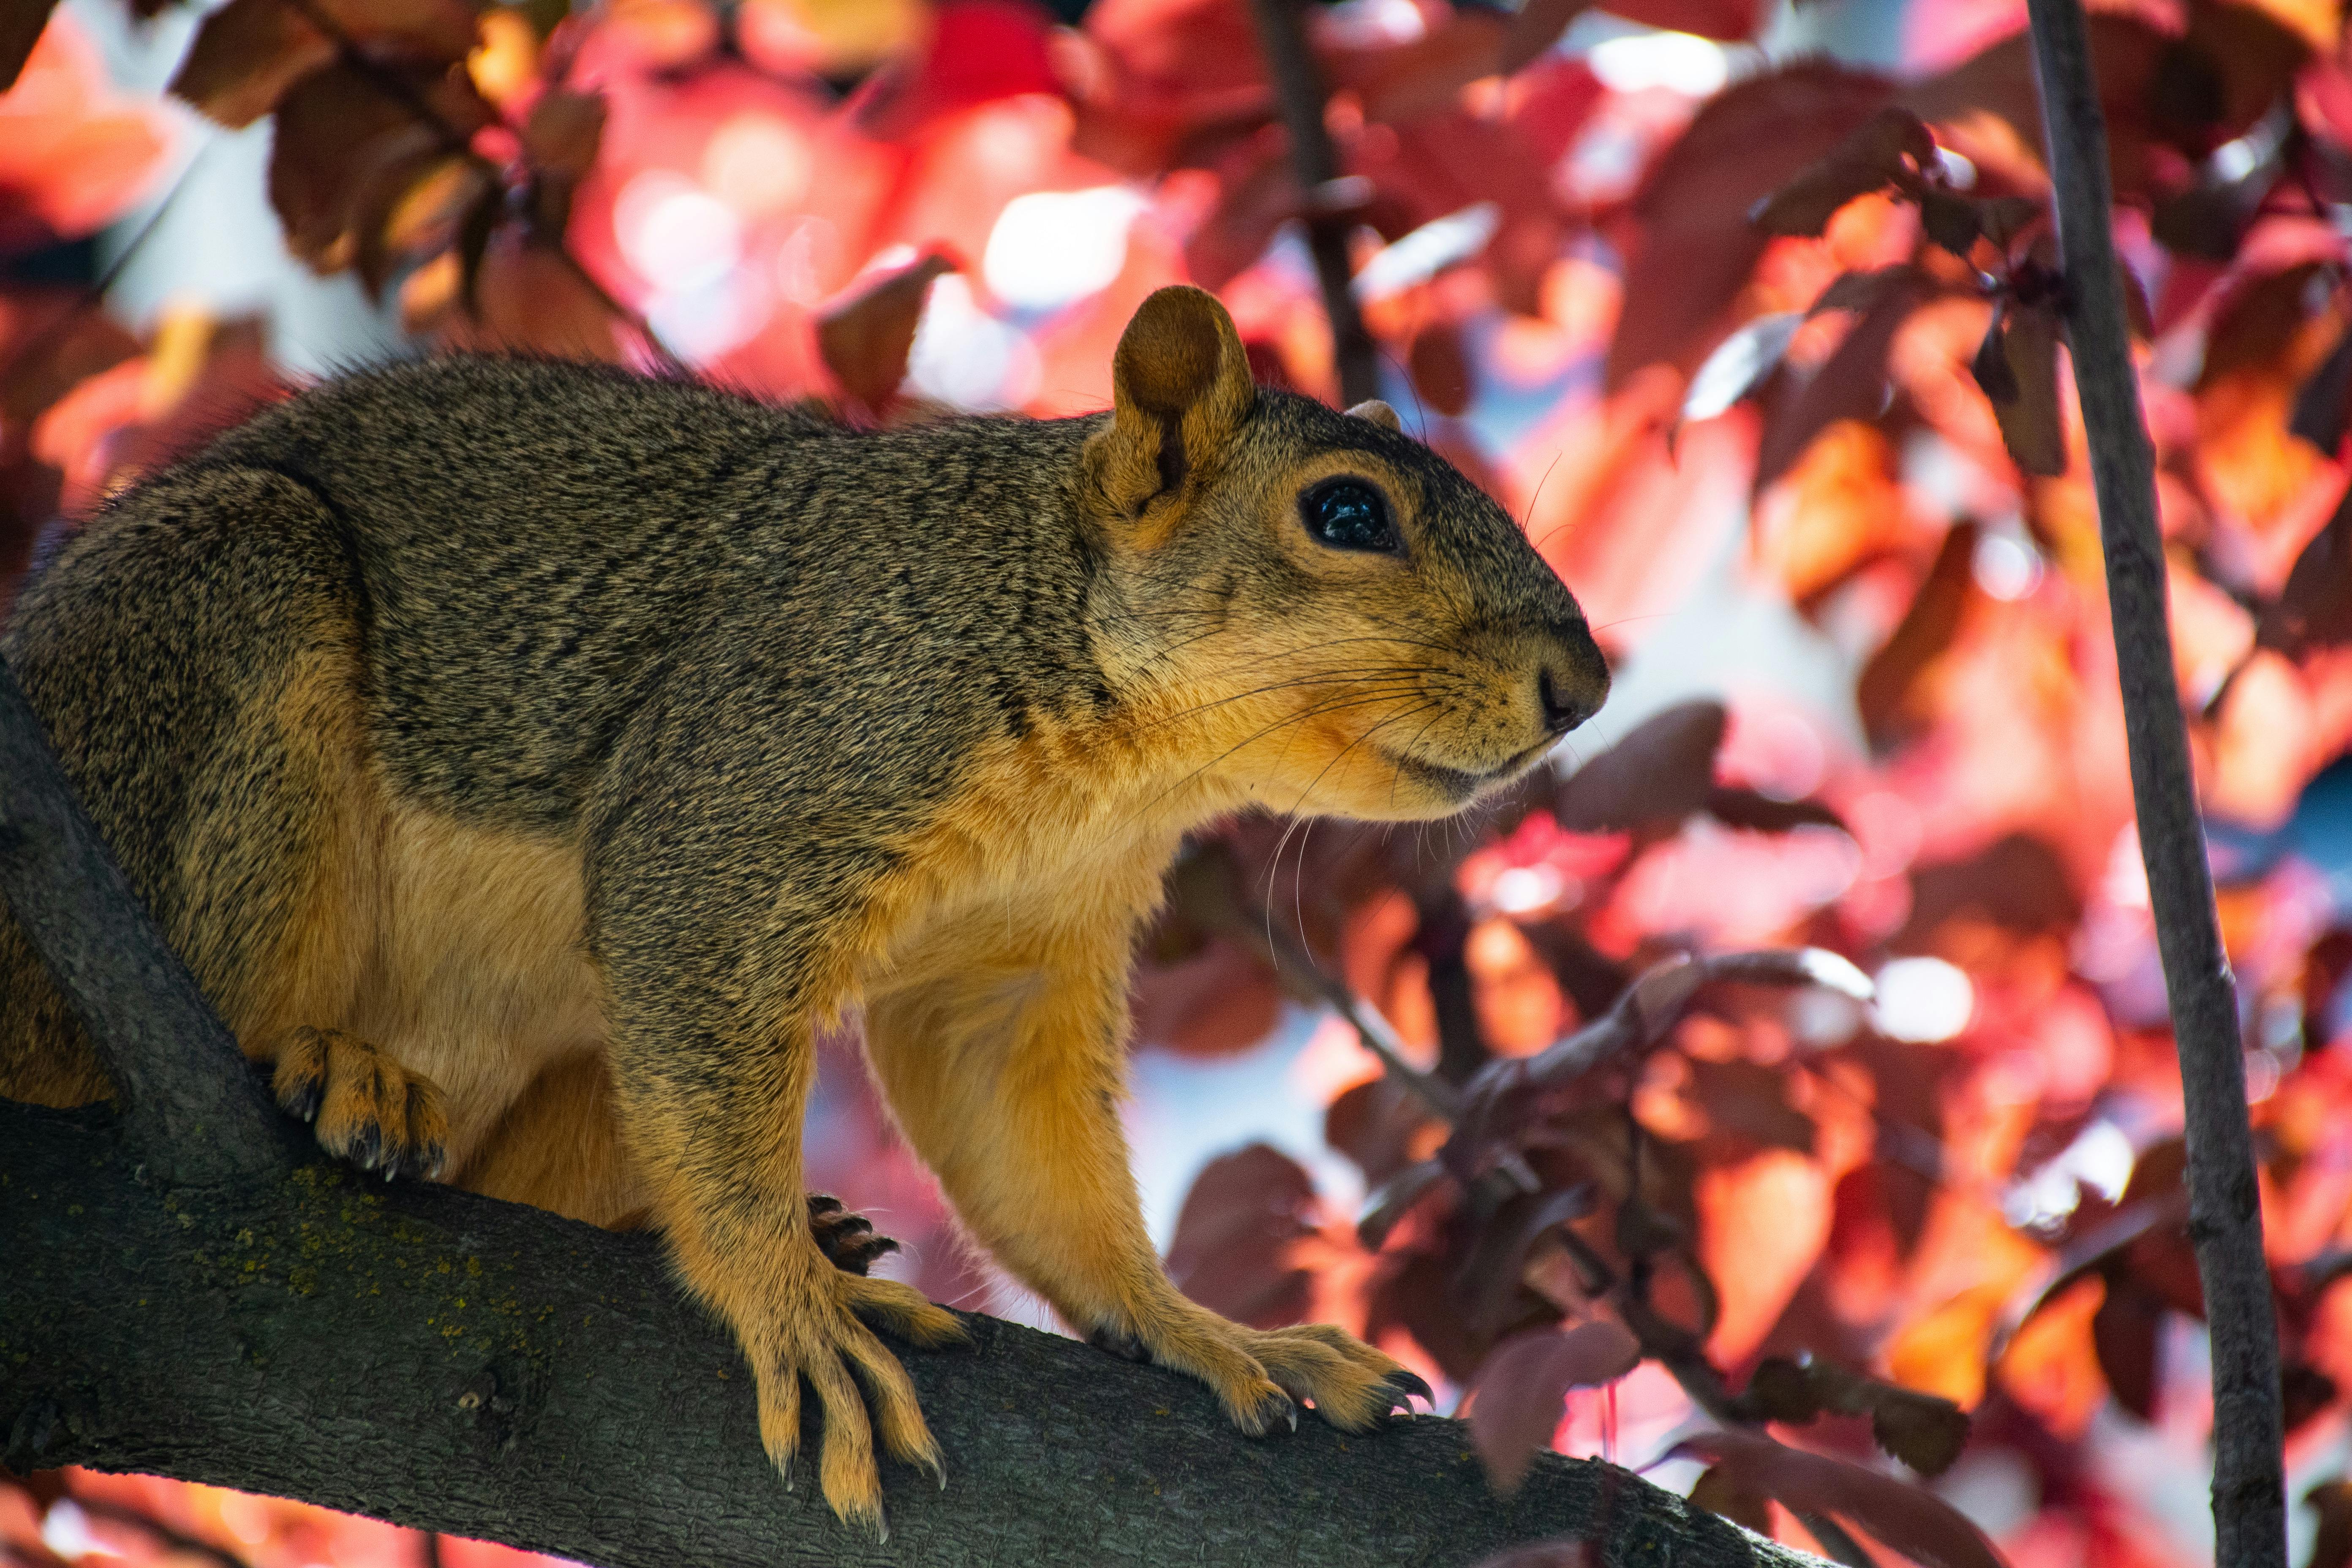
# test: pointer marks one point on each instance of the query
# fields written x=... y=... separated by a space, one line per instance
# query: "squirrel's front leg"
x=1006 y=1078
x=717 y=1133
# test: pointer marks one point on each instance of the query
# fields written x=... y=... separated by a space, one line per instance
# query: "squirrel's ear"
x=1379 y=413
x=1181 y=392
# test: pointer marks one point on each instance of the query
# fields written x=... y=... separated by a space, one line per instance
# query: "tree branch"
x=1298 y=95
x=2225 y=1209
x=454 y=1364
x=190 y=1108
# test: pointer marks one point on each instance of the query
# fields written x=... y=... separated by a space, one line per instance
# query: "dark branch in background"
x=191 y=1290
x=188 y=1104
x=2225 y=1209
x=1330 y=212
x=1480 y=1116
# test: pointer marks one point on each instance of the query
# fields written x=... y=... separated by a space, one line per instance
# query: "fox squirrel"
x=529 y=758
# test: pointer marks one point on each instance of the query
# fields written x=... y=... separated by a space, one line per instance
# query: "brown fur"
x=529 y=760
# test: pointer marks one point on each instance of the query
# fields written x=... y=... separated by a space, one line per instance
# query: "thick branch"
x=447 y=1362
x=2225 y=1210
x=190 y=1108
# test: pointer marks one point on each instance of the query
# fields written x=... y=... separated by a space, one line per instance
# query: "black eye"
x=1349 y=514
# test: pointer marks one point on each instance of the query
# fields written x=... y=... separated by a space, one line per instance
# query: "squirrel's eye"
x=1349 y=514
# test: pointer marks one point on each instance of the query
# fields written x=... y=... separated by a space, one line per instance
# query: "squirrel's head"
x=1329 y=613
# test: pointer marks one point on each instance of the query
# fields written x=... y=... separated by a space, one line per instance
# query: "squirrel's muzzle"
x=1571 y=680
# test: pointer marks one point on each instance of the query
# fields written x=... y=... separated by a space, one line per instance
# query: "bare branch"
x=2225 y=1209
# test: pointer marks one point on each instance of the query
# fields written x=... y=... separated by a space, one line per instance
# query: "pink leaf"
x=1524 y=1385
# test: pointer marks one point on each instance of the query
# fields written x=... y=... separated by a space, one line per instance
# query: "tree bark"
x=2225 y=1208
x=447 y=1362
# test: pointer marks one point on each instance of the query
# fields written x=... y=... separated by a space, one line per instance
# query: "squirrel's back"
x=528 y=543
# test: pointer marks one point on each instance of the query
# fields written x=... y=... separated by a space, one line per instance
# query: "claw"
x=1294 y=1418
x=305 y=1104
x=1408 y=1382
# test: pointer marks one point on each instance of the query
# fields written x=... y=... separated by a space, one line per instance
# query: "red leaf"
x=1236 y=1234
x=2315 y=609
x=865 y=336
x=1891 y=146
x=2017 y=369
x=1523 y=1388
x=1883 y=692
x=1910 y=1519
x=978 y=51
x=73 y=155
x=1851 y=384
x=1662 y=770
x=1694 y=247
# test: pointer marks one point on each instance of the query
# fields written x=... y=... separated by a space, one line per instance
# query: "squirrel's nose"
x=1571 y=686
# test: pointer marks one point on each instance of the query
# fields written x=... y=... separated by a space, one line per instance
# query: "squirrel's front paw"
x=365 y=1107
x=821 y=1338
x=1261 y=1377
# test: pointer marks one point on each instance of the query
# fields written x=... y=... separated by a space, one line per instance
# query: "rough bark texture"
x=188 y=1289
x=444 y=1360
x=2225 y=1209
x=171 y=1058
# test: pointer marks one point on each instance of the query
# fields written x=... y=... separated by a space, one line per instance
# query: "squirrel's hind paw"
x=364 y=1107
x=846 y=1237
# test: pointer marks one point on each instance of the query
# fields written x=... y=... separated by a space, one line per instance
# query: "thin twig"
x=2226 y=1221
x=94 y=293
x=1298 y=95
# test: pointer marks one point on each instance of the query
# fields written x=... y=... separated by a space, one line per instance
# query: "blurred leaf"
x=1737 y=807
x=1233 y=1252
x=1374 y=1123
x=244 y=57
x=1441 y=369
x=1910 y=1519
x=1718 y=1493
x=248 y=54
x=1394 y=1199
x=413 y=205
x=2305 y=1392
x=1752 y=1099
x=21 y=26
x=1523 y=1390
x=342 y=131
x=563 y=131
x=2017 y=369
x=865 y=338
x=1692 y=247
x=2315 y=609
x=2321 y=404
x=2209 y=219
x=2331 y=1546
x=1849 y=385
x=1662 y=770
x=1885 y=690
x=973 y=52
x=1923 y=1430
x=2124 y=1331
x=1490 y=1279
x=1891 y=146
x=1740 y=363
x=1952 y=221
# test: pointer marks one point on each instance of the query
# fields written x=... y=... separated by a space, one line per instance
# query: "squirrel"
x=530 y=758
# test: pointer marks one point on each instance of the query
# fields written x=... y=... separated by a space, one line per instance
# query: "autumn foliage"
x=1783 y=1090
